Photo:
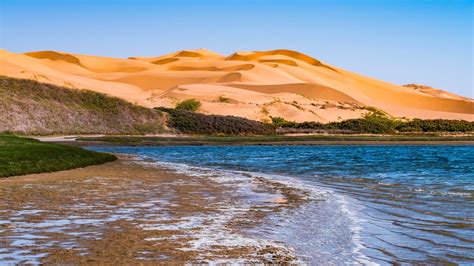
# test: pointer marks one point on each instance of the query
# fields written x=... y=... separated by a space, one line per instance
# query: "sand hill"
x=254 y=85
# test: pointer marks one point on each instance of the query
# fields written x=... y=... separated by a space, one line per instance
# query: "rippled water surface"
x=413 y=203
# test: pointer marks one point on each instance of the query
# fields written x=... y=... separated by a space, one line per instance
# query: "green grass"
x=269 y=139
x=20 y=156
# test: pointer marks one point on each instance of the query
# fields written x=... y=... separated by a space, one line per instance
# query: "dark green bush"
x=281 y=122
x=436 y=125
x=191 y=105
x=364 y=125
x=375 y=122
x=190 y=122
x=368 y=124
x=380 y=123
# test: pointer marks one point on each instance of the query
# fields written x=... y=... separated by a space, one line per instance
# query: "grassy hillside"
x=30 y=107
x=20 y=156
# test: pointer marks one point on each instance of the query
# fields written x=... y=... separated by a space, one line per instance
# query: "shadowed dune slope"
x=52 y=55
x=289 y=84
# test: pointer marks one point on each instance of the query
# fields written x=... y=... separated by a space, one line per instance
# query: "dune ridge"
x=256 y=85
x=289 y=53
x=52 y=55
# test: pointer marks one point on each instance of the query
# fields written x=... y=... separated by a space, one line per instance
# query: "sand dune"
x=309 y=90
x=165 y=61
x=55 y=56
x=257 y=84
x=288 y=53
x=434 y=92
x=23 y=66
x=279 y=61
x=213 y=68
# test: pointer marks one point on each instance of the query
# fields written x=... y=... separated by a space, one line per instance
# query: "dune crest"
x=434 y=92
x=52 y=55
x=165 y=61
x=256 y=85
x=289 y=53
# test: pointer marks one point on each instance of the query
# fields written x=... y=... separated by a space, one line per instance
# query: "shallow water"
x=385 y=204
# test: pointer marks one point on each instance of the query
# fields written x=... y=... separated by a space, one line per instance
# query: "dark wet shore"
x=135 y=213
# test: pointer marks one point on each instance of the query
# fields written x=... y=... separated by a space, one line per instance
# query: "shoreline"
x=270 y=143
x=135 y=212
x=277 y=140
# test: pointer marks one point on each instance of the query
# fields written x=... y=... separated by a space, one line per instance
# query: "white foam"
x=356 y=229
x=208 y=232
x=241 y=180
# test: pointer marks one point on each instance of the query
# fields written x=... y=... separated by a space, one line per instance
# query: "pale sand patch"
x=280 y=200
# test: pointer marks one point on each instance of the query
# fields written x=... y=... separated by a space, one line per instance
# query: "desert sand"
x=255 y=85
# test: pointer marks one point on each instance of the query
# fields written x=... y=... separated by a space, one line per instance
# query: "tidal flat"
x=131 y=211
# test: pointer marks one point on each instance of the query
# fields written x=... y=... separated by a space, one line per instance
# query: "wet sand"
x=135 y=213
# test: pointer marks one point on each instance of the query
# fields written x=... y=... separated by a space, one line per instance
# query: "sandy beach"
x=132 y=212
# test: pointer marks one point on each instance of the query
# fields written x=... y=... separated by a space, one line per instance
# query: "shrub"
x=375 y=112
x=223 y=99
x=279 y=122
x=364 y=125
x=191 y=122
x=436 y=125
x=312 y=125
x=378 y=122
x=191 y=105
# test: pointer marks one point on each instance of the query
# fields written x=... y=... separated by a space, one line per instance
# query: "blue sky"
x=411 y=41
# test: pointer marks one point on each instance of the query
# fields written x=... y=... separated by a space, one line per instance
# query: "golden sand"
x=257 y=84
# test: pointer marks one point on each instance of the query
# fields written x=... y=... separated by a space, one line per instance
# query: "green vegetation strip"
x=267 y=139
x=20 y=156
x=378 y=122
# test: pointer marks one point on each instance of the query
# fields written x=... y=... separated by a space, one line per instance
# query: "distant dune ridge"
x=255 y=85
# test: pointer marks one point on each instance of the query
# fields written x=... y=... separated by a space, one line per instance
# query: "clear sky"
x=410 y=41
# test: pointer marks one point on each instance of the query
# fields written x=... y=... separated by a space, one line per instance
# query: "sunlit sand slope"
x=256 y=85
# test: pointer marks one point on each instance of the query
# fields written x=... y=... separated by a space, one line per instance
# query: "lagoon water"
x=406 y=204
